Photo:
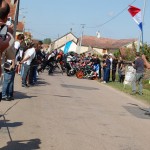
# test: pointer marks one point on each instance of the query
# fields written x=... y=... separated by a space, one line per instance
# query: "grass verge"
x=127 y=89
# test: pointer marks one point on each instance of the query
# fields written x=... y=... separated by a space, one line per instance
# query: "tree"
x=47 y=41
x=146 y=51
x=116 y=53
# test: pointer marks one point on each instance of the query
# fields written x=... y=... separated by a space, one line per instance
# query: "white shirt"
x=69 y=58
x=29 y=53
x=51 y=55
x=17 y=45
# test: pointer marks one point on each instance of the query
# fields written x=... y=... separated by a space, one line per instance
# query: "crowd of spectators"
x=26 y=59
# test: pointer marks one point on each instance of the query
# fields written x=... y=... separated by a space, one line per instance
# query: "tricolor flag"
x=137 y=15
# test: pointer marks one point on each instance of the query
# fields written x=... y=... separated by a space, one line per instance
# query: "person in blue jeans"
x=106 y=69
x=8 y=83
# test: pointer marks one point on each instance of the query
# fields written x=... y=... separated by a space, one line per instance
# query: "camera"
x=9 y=21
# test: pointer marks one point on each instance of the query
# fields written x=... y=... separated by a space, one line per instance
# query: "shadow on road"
x=20 y=95
x=137 y=112
x=32 y=144
x=79 y=87
x=6 y=123
x=41 y=83
x=65 y=96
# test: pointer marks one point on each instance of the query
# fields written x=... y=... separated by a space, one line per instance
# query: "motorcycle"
x=86 y=72
x=71 y=70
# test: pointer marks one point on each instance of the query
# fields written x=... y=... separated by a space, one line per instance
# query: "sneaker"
x=25 y=85
x=5 y=99
x=140 y=93
x=133 y=93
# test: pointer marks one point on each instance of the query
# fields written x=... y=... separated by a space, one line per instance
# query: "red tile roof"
x=105 y=43
x=20 y=26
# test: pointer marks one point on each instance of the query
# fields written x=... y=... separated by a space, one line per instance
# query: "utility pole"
x=83 y=25
x=141 y=33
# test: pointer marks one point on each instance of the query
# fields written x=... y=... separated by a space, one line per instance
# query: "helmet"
x=71 y=53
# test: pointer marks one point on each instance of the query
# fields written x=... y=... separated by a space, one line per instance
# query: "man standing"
x=26 y=62
x=139 y=66
x=114 y=68
x=6 y=40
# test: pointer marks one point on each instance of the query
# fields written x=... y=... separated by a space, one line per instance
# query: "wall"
x=62 y=41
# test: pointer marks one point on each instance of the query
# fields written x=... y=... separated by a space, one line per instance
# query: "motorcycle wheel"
x=79 y=74
x=94 y=78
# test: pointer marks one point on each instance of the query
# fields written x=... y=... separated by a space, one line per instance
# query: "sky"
x=54 y=18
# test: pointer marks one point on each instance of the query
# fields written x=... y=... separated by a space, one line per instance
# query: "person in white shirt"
x=26 y=62
x=19 y=51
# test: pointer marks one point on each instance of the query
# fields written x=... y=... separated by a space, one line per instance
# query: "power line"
x=118 y=14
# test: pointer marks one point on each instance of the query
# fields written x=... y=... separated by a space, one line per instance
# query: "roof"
x=12 y=8
x=64 y=36
x=105 y=43
x=20 y=26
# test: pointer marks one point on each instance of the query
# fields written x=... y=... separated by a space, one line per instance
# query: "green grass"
x=127 y=89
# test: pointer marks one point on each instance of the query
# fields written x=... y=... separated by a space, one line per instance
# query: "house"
x=103 y=45
x=14 y=12
x=20 y=28
x=66 y=42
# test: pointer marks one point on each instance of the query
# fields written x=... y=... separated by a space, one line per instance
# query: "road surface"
x=66 y=113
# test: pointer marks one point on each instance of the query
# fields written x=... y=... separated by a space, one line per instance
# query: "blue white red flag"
x=137 y=15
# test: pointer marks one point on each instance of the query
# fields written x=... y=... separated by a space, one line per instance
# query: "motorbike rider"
x=59 y=60
x=49 y=62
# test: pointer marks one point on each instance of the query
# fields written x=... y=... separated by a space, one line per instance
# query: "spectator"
x=20 y=48
x=106 y=69
x=7 y=89
x=120 y=62
x=122 y=72
x=26 y=62
x=34 y=64
x=114 y=68
x=6 y=45
x=4 y=11
x=139 y=66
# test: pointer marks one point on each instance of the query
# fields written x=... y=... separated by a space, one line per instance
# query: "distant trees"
x=47 y=41
x=146 y=51
x=130 y=53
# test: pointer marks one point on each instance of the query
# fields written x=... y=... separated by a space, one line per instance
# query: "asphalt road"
x=66 y=113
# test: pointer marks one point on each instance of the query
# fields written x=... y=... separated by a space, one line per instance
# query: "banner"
x=67 y=47
x=129 y=75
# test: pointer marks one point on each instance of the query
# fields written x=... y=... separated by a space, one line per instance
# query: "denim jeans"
x=138 y=78
x=106 y=74
x=25 y=73
x=8 y=83
x=33 y=74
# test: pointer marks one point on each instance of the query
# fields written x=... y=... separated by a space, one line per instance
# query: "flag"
x=67 y=47
x=137 y=15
